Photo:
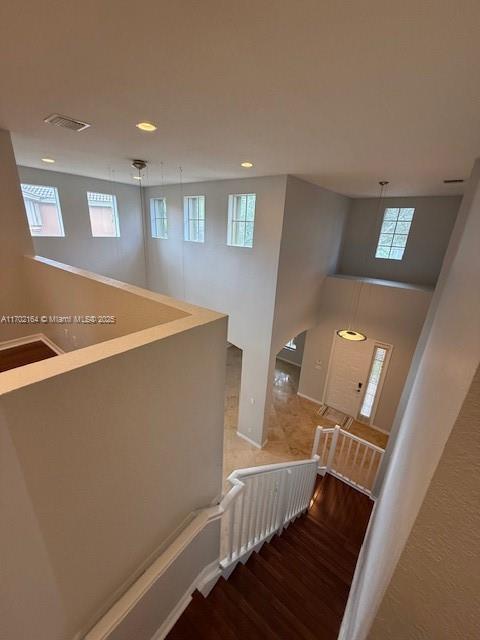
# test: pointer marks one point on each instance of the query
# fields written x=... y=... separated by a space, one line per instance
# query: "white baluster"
x=316 y=441
x=362 y=464
x=331 y=453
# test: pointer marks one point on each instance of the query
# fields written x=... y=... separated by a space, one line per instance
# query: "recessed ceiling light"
x=247 y=165
x=146 y=126
x=137 y=177
x=48 y=160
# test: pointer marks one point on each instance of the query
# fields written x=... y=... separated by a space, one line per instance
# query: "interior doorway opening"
x=292 y=352
x=288 y=364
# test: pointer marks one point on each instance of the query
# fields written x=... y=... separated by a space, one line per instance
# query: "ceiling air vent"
x=66 y=122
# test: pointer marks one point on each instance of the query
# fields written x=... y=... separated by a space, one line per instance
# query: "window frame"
x=37 y=213
x=154 y=219
x=395 y=251
x=388 y=348
x=187 y=219
x=116 y=217
x=232 y=220
x=291 y=345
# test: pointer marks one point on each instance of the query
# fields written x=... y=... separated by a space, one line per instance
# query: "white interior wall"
x=120 y=258
x=310 y=241
x=445 y=361
x=57 y=290
x=296 y=356
x=430 y=232
x=15 y=240
x=234 y=280
x=388 y=312
x=80 y=516
x=434 y=590
x=312 y=232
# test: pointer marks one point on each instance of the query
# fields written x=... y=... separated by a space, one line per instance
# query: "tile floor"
x=292 y=421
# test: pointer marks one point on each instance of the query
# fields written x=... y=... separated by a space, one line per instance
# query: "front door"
x=347 y=374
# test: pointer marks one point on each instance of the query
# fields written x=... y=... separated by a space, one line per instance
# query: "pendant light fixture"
x=349 y=333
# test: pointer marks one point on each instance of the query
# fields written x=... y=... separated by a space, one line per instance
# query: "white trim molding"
x=302 y=395
x=34 y=337
x=250 y=441
x=204 y=582
x=125 y=604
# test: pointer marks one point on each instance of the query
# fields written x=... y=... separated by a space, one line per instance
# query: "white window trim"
x=116 y=218
x=289 y=347
x=186 y=219
x=383 y=375
x=378 y=245
x=36 y=213
x=154 y=217
x=231 y=207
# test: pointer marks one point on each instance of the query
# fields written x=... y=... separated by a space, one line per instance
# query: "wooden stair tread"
x=197 y=615
x=296 y=587
x=332 y=596
x=278 y=616
x=226 y=630
x=297 y=597
x=320 y=551
x=259 y=626
x=303 y=552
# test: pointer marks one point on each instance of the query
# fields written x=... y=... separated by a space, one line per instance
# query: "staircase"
x=294 y=586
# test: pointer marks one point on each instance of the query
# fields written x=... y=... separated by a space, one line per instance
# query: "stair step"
x=325 y=545
x=323 y=572
x=331 y=532
x=320 y=548
x=326 y=533
x=197 y=615
x=296 y=587
x=298 y=598
x=321 y=559
x=182 y=630
x=266 y=602
x=234 y=603
x=326 y=585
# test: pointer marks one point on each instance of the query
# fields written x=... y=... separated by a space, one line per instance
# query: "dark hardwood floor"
x=24 y=354
x=297 y=585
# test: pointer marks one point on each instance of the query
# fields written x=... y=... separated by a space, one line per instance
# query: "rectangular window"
x=241 y=219
x=373 y=384
x=194 y=218
x=103 y=215
x=394 y=233
x=158 y=216
x=42 y=207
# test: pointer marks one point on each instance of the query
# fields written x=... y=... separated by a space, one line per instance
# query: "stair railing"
x=347 y=457
x=261 y=502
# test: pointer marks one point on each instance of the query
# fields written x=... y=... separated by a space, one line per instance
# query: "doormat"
x=329 y=413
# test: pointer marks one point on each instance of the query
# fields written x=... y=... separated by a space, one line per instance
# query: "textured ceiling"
x=340 y=93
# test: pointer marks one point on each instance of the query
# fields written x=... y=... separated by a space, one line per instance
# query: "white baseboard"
x=208 y=578
x=296 y=364
x=302 y=395
x=34 y=337
x=172 y=618
x=372 y=426
x=204 y=582
x=250 y=441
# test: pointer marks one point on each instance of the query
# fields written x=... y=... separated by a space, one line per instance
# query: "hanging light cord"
x=180 y=174
x=144 y=225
